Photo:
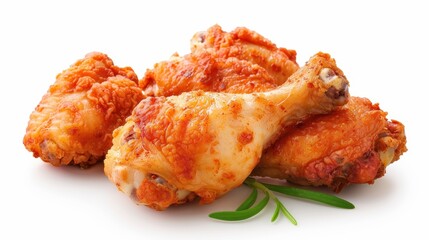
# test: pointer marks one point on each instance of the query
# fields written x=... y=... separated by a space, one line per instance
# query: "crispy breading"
x=74 y=121
x=353 y=144
x=202 y=70
x=245 y=44
x=237 y=61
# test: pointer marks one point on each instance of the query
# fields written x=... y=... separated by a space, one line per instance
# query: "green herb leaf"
x=276 y=213
x=279 y=204
x=312 y=195
x=243 y=214
x=286 y=212
x=249 y=201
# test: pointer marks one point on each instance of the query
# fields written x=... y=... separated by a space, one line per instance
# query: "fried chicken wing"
x=172 y=149
x=74 y=121
x=353 y=144
x=248 y=45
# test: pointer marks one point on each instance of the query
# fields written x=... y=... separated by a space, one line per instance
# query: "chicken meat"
x=203 y=144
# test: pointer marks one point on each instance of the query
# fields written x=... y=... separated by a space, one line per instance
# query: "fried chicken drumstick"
x=74 y=121
x=358 y=135
x=172 y=149
x=353 y=144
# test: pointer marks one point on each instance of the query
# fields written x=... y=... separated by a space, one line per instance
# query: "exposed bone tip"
x=328 y=75
x=338 y=85
x=200 y=36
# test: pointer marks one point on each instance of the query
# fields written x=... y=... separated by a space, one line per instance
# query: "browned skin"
x=74 y=121
x=245 y=44
x=236 y=62
x=336 y=149
x=203 y=71
x=208 y=143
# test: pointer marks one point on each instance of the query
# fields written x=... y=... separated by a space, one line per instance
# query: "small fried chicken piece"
x=203 y=71
x=353 y=144
x=74 y=121
x=248 y=45
x=172 y=149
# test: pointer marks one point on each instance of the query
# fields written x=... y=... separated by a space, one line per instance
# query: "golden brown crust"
x=204 y=71
x=94 y=68
x=74 y=121
x=245 y=44
x=179 y=137
x=207 y=143
x=236 y=62
x=336 y=149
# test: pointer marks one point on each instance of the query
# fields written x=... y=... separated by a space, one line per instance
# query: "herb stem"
x=279 y=204
x=248 y=209
x=311 y=195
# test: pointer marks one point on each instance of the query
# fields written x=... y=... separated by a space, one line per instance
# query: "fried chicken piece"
x=248 y=45
x=202 y=70
x=236 y=62
x=74 y=121
x=353 y=144
x=172 y=149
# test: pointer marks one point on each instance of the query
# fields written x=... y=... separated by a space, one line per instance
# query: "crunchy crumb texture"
x=236 y=62
x=245 y=44
x=353 y=144
x=74 y=121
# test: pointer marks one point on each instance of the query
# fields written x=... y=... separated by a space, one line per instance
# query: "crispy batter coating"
x=74 y=121
x=237 y=62
x=353 y=144
x=245 y=44
x=202 y=70
x=204 y=144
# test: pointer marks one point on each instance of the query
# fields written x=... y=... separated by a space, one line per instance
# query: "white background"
x=382 y=47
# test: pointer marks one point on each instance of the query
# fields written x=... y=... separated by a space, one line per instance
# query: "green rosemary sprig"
x=311 y=195
x=247 y=209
